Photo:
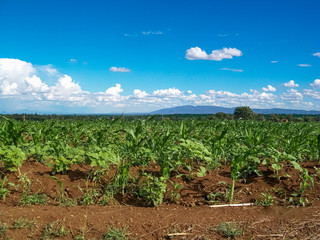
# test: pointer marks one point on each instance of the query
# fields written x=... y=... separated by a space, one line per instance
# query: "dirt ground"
x=191 y=217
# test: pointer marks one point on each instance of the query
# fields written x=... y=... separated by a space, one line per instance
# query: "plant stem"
x=232 y=190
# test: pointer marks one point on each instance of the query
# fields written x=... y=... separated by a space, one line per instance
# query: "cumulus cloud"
x=140 y=94
x=316 y=83
x=114 y=90
x=304 y=65
x=197 y=53
x=18 y=79
x=291 y=84
x=171 y=92
x=20 y=83
x=119 y=69
x=317 y=54
x=17 y=76
x=232 y=69
x=292 y=96
x=34 y=84
x=269 y=89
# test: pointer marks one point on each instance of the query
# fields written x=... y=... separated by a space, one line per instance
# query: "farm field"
x=151 y=179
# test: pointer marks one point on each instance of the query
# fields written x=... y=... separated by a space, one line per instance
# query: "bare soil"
x=190 y=217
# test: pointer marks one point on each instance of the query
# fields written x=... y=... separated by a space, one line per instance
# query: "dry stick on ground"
x=177 y=234
x=271 y=235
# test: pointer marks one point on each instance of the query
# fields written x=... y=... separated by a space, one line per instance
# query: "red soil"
x=191 y=216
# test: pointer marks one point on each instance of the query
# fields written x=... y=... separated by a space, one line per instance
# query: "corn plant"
x=3 y=188
x=11 y=132
x=299 y=197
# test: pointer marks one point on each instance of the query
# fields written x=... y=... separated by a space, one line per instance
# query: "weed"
x=152 y=189
x=54 y=229
x=230 y=229
x=202 y=172
x=226 y=196
x=3 y=228
x=27 y=198
x=317 y=172
x=266 y=199
x=115 y=234
x=90 y=195
x=34 y=199
x=175 y=195
x=23 y=223
x=63 y=199
x=213 y=198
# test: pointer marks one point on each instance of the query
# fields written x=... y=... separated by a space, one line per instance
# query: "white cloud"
x=8 y=89
x=304 y=65
x=171 y=92
x=269 y=89
x=22 y=88
x=197 y=53
x=114 y=90
x=292 y=96
x=274 y=61
x=291 y=84
x=308 y=103
x=232 y=69
x=316 y=83
x=119 y=69
x=317 y=54
x=65 y=90
x=312 y=93
x=140 y=94
x=152 y=33
x=34 y=84
x=49 y=69
x=73 y=60
x=13 y=73
x=228 y=35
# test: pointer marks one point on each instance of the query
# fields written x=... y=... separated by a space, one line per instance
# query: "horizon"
x=106 y=57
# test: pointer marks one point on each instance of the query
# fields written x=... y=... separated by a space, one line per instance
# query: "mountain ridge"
x=190 y=109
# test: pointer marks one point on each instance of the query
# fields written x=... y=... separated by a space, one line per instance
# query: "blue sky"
x=81 y=56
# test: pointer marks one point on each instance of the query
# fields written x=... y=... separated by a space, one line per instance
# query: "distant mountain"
x=213 y=110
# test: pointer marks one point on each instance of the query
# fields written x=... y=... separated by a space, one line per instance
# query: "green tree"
x=221 y=115
x=244 y=113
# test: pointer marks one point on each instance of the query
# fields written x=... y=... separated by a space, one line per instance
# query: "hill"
x=188 y=109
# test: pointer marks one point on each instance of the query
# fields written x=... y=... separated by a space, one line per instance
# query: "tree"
x=244 y=113
x=259 y=117
x=221 y=115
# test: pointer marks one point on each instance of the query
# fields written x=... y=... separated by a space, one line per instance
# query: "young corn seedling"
x=3 y=188
x=299 y=197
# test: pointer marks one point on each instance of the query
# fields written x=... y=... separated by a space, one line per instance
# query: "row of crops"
x=194 y=145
